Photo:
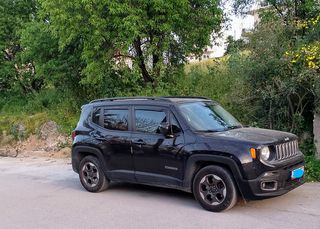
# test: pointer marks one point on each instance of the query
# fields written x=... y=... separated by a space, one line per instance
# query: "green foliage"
x=57 y=68
x=220 y=80
x=282 y=94
x=153 y=36
x=14 y=74
x=234 y=46
x=312 y=168
x=33 y=110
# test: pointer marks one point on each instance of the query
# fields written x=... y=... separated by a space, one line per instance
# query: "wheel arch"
x=79 y=152
x=197 y=162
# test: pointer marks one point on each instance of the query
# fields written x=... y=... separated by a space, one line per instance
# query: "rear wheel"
x=214 y=189
x=91 y=175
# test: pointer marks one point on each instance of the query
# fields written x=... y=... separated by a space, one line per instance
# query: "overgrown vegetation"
x=57 y=55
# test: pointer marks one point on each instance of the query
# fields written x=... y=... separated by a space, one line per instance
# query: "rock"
x=7 y=139
x=9 y=152
x=49 y=129
x=49 y=134
x=55 y=143
x=47 y=143
x=21 y=131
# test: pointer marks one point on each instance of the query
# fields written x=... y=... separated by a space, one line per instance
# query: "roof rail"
x=129 y=98
x=161 y=98
x=186 y=97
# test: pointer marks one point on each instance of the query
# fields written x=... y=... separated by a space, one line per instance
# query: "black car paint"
x=173 y=161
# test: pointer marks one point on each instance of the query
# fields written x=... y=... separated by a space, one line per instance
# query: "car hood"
x=254 y=135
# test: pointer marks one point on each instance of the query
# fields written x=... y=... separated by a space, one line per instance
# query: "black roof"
x=167 y=99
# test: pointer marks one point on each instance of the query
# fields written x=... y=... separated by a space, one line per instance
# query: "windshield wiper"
x=209 y=131
x=234 y=127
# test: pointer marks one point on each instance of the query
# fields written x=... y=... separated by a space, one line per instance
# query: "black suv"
x=186 y=143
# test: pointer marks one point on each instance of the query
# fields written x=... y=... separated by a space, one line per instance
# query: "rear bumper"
x=273 y=183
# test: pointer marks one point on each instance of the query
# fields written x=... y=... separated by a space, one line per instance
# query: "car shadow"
x=146 y=191
x=143 y=189
x=185 y=198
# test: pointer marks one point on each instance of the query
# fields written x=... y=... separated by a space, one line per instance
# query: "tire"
x=214 y=189
x=91 y=175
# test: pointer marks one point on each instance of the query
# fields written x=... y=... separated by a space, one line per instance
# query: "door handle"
x=138 y=142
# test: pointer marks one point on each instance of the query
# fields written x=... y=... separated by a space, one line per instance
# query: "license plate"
x=297 y=173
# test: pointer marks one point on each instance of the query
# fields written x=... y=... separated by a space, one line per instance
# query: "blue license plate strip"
x=297 y=173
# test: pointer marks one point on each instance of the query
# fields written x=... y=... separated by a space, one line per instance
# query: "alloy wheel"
x=212 y=189
x=90 y=174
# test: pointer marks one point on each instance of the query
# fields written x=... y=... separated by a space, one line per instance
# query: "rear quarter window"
x=111 y=119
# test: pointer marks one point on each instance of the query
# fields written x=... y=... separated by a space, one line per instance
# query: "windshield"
x=208 y=117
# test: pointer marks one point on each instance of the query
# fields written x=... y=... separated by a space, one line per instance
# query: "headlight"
x=264 y=153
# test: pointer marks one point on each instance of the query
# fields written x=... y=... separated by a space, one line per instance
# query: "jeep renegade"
x=186 y=143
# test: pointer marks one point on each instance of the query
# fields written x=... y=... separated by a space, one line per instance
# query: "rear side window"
x=149 y=121
x=115 y=119
x=96 y=115
x=112 y=119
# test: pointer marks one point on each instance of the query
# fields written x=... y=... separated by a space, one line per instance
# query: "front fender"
x=229 y=162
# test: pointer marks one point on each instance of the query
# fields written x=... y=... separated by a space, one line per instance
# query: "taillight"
x=73 y=135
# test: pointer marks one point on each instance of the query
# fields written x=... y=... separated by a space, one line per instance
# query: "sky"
x=236 y=24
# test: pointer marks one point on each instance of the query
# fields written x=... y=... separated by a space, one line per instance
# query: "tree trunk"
x=145 y=74
x=155 y=65
x=316 y=133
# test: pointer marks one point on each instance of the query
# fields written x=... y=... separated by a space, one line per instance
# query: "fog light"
x=269 y=185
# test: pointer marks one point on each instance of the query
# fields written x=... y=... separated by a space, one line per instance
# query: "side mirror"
x=164 y=128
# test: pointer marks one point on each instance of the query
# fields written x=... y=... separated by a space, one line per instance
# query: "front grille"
x=287 y=150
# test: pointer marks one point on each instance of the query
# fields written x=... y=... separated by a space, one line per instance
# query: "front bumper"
x=273 y=183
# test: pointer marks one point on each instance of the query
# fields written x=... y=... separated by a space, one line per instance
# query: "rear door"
x=157 y=158
x=114 y=135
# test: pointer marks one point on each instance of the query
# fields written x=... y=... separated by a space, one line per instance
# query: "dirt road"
x=45 y=193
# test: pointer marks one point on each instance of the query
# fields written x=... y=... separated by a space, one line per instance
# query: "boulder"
x=6 y=139
x=49 y=129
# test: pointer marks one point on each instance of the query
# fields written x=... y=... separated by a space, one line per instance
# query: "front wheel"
x=214 y=189
x=91 y=175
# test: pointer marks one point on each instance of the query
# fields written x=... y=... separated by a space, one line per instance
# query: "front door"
x=157 y=158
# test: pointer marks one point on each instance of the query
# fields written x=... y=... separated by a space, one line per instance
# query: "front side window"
x=208 y=117
x=175 y=127
x=115 y=119
x=149 y=121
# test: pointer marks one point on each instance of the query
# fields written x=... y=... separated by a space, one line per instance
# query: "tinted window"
x=175 y=127
x=96 y=116
x=149 y=121
x=115 y=119
x=208 y=117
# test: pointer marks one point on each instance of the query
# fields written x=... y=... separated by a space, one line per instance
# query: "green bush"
x=34 y=110
x=312 y=168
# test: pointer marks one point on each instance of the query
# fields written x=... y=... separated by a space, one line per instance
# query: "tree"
x=287 y=10
x=154 y=36
x=14 y=73
x=234 y=45
x=60 y=69
x=284 y=50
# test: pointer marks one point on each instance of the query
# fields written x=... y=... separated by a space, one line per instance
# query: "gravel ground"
x=46 y=193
